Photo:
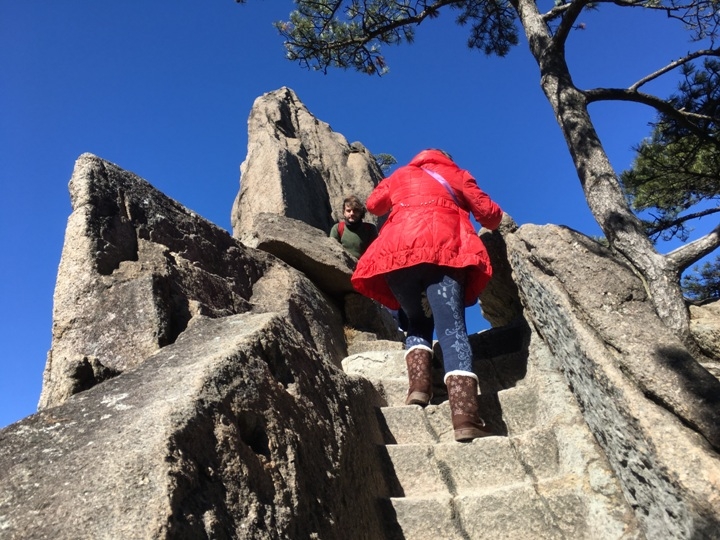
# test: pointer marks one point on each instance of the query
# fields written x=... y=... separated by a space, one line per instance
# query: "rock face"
x=500 y=301
x=237 y=430
x=310 y=250
x=203 y=387
x=652 y=408
x=137 y=267
x=327 y=264
x=298 y=167
x=705 y=328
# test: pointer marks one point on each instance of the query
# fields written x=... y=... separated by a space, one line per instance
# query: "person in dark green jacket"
x=352 y=232
x=356 y=235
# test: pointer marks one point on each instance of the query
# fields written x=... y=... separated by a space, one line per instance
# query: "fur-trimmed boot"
x=418 y=359
x=462 y=392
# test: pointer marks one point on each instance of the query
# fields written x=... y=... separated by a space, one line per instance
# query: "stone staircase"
x=542 y=477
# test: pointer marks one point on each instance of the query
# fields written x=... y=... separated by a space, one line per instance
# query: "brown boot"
x=462 y=392
x=420 y=381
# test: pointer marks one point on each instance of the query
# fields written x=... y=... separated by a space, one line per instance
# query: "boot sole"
x=468 y=434
x=418 y=398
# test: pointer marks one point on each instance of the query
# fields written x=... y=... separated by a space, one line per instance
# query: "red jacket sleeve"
x=379 y=202
x=486 y=211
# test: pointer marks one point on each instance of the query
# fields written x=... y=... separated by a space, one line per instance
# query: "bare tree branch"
x=682 y=257
x=568 y=20
x=620 y=94
x=558 y=11
x=555 y=12
x=700 y=16
x=672 y=65
x=679 y=221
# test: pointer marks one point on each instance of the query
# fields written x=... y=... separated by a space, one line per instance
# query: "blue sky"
x=164 y=88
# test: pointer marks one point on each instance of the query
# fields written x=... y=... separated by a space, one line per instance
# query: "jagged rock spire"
x=297 y=166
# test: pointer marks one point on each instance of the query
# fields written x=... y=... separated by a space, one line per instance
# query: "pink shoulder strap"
x=445 y=184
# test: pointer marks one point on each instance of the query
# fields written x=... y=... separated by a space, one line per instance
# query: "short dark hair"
x=354 y=202
x=443 y=152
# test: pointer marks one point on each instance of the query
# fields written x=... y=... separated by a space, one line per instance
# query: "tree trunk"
x=599 y=181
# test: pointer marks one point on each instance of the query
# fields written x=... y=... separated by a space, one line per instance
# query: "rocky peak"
x=203 y=385
x=297 y=166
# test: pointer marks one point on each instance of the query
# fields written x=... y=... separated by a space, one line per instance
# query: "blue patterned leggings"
x=445 y=290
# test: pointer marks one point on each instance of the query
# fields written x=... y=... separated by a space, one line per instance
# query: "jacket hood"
x=431 y=156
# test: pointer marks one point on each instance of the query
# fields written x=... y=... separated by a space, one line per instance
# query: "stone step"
x=377 y=365
x=512 y=513
x=361 y=346
x=408 y=425
x=424 y=518
x=455 y=469
x=521 y=409
x=542 y=478
x=387 y=371
x=539 y=448
x=411 y=424
x=481 y=465
x=393 y=390
x=416 y=471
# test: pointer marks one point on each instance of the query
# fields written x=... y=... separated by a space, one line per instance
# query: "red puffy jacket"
x=425 y=225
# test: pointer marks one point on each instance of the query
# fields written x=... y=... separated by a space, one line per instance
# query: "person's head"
x=353 y=209
x=443 y=152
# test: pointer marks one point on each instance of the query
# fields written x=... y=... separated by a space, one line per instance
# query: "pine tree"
x=678 y=167
x=704 y=283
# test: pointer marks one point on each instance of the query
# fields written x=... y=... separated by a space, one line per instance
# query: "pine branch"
x=672 y=65
x=686 y=118
x=663 y=226
x=684 y=256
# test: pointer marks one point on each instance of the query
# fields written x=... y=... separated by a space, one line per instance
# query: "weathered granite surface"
x=310 y=250
x=705 y=329
x=653 y=409
x=194 y=387
x=236 y=430
x=137 y=267
x=297 y=166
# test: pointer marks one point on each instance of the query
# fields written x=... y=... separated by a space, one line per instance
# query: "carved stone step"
x=454 y=468
x=393 y=390
x=540 y=478
x=407 y=425
x=521 y=411
x=425 y=518
x=358 y=347
x=512 y=512
x=377 y=364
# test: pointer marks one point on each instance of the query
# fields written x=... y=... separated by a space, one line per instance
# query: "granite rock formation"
x=705 y=328
x=204 y=386
x=239 y=429
x=653 y=409
x=297 y=166
x=327 y=264
x=137 y=267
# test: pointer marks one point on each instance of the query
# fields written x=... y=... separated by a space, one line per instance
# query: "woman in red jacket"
x=429 y=248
